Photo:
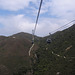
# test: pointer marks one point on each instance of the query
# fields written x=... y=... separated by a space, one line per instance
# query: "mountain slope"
x=57 y=58
x=14 y=53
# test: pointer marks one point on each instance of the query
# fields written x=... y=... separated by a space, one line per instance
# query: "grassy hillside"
x=57 y=58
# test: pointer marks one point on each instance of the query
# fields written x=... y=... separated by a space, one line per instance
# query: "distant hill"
x=14 y=53
x=23 y=35
x=57 y=58
x=27 y=36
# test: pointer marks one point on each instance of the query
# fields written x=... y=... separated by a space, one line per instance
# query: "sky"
x=20 y=16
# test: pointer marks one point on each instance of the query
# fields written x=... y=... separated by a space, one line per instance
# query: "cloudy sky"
x=20 y=15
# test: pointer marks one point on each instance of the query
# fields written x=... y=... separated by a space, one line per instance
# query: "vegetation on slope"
x=57 y=58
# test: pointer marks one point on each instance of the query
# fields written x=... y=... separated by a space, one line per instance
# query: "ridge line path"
x=31 y=49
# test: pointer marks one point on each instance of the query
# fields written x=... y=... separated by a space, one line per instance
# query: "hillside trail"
x=62 y=56
x=31 y=49
x=58 y=55
x=32 y=54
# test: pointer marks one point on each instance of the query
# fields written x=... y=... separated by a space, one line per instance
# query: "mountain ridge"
x=46 y=59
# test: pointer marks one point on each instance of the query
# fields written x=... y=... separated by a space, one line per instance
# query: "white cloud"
x=19 y=23
x=63 y=8
x=14 y=5
x=50 y=25
x=59 y=8
x=14 y=24
x=44 y=8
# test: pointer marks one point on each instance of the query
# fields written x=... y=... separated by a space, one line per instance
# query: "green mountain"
x=58 y=57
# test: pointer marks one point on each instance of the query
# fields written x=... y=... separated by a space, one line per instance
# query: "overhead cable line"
x=33 y=31
x=62 y=26
x=38 y=16
x=49 y=39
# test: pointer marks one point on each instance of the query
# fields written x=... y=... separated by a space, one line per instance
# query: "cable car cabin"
x=48 y=41
x=32 y=42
